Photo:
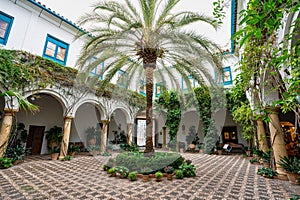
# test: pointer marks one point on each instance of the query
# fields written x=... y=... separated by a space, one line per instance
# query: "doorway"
x=35 y=139
x=229 y=134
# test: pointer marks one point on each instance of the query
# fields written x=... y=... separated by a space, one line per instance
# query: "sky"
x=73 y=9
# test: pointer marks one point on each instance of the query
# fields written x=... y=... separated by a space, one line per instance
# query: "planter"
x=170 y=177
x=181 y=150
x=293 y=178
x=54 y=156
x=72 y=154
x=220 y=152
x=17 y=162
x=248 y=153
x=139 y=175
x=201 y=150
x=145 y=178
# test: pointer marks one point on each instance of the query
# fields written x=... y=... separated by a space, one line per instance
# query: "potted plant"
x=54 y=153
x=158 y=176
x=6 y=163
x=266 y=157
x=93 y=149
x=66 y=158
x=132 y=176
x=112 y=171
x=219 y=149
x=254 y=161
x=93 y=136
x=105 y=167
x=122 y=171
x=73 y=149
x=179 y=174
x=16 y=152
x=201 y=148
x=169 y=170
x=267 y=172
x=54 y=136
x=292 y=167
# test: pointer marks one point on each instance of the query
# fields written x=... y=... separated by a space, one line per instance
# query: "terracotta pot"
x=72 y=154
x=170 y=177
x=151 y=176
x=220 y=152
x=293 y=178
x=165 y=174
x=54 y=156
x=16 y=162
x=139 y=175
x=248 y=153
x=201 y=150
x=145 y=178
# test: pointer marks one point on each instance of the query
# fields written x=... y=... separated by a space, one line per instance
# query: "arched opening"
x=117 y=133
x=86 y=127
x=50 y=114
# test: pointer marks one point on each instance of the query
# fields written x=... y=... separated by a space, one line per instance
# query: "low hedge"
x=136 y=161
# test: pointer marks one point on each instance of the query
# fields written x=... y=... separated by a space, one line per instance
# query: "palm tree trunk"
x=149 y=68
x=7 y=123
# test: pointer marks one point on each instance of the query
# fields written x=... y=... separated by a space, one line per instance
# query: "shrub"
x=130 y=148
x=188 y=170
x=136 y=161
x=112 y=171
x=67 y=157
x=132 y=176
x=106 y=167
x=266 y=171
x=6 y=163
x=253 y=160
x=179 y=174
x=291 y=165
x=158 y=175
x=123 y=171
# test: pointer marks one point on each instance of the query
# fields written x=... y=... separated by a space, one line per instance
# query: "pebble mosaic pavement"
x=218 y=177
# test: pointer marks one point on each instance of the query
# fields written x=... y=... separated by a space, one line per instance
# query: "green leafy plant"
x=179 y=174
x=66 y=158
x=291 y=165
x=6 y=162
x=170 y=100
x=54 y=150
x=16 y=152
x=188 y=170
x=73 y=148
x=267 y=172
x=158 y=175
x=130 y=148
x=254 y=160
x=105 y=167
x=54 y=136
x=132 y=176
x=122 y=171
x=106 y=154
x=112 y=171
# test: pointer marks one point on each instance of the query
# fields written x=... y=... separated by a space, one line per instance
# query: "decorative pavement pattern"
x=218 y=177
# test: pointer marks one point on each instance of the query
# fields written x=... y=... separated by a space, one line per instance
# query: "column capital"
x=273 y=110
x=8 y=111
x=69 y=117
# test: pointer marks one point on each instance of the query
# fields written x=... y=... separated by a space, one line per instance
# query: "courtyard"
x=218 y=177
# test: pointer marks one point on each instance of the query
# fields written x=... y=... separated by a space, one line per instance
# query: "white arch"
x=97 y=104
x=60 y=98
x=129 y=118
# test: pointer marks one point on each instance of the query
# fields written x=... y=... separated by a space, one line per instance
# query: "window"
x=56 y=50
x=227 y=77
x=193 y=83
x=158 y=89
x=97 y=71
x=142 y=88
x=5 y=26
x=121 y=81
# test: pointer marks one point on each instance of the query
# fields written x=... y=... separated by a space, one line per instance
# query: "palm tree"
x=147 y=37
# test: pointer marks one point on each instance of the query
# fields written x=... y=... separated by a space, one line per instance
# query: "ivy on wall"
x=21 y=71
x=169 y=100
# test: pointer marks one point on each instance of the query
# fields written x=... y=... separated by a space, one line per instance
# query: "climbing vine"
x=169 y=100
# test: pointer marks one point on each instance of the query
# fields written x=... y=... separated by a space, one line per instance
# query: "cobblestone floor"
x=218 y=177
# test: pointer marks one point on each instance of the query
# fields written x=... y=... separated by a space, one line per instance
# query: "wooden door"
x=229 y=134
x=35 y=139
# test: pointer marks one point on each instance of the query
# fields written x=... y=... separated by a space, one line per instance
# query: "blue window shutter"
x=58 y=44
x=9 y=20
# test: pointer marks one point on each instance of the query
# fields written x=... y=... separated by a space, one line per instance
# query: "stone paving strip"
x=223 y=177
